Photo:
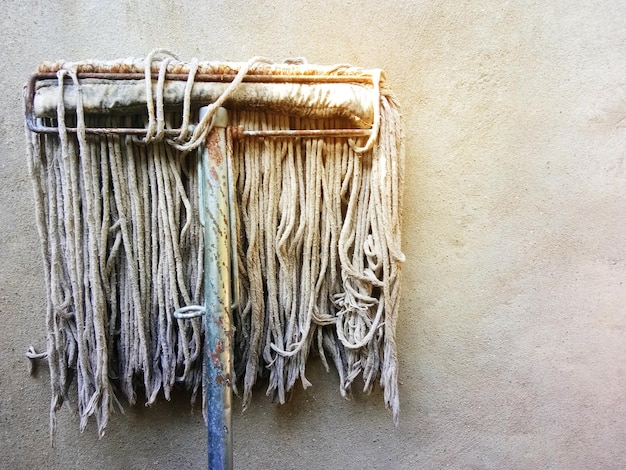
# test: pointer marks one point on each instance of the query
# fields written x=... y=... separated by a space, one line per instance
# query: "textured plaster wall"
x=512 y=337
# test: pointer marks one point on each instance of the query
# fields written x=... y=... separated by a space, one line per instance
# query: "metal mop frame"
x=217 y=201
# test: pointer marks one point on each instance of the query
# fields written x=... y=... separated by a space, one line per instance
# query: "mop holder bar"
x=107 y=93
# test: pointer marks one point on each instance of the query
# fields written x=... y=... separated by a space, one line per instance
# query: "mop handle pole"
x=216 y=215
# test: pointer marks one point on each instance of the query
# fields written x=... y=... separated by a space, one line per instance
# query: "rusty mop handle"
x=215 y=215
x=217 y=294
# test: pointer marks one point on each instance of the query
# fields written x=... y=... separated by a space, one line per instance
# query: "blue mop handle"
x=216 y=216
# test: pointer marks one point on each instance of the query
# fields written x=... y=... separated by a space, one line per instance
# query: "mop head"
x=317 y=240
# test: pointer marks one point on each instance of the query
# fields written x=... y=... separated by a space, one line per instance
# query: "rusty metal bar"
x=217 y=294
x=238 y=133
x=34 y=124
x=293 y=133
x=223 y=78
x=41 y=129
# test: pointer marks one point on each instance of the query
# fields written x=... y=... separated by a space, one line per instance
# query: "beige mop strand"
x=316 y=224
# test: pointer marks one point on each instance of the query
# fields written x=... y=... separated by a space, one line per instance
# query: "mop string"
x=160 y=118
x=203 y=127
x=376 y=79
x=152 y=119
x=190 y=311
x=156 y=125
x=319 y=249
x=184 y=128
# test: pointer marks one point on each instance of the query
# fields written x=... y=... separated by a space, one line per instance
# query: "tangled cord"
x=318 y=249
x=156 y=120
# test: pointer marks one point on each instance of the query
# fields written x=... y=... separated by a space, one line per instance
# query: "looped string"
x=61 y=107
x=33 y=355
x=190 y=311
x=354 y=319
x=184 y=127
x=160 y=114
x=206 y=124
x=156 y=120
x=152 y=119
x=376 y=78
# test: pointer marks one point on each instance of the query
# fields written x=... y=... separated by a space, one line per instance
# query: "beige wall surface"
x=512 y=334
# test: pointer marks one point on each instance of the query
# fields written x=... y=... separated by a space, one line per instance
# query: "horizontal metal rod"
x=238 y=132
x=38 y=129
x=287 y=133
x=212 y=77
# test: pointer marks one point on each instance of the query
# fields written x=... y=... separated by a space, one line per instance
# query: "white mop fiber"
x=318 y=232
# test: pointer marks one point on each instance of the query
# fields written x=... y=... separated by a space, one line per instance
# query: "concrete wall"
x=512 y=335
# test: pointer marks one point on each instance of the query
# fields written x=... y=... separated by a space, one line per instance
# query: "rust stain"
x=215 y=357
x=223 y=379
x=214 y=174
x=213 y=147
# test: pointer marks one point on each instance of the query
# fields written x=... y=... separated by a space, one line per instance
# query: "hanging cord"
x=184 y=127
x=152 y=118
x=206 y=124
x=33 y=355
x=376 y=78
x=160 y=117
x=156 y=119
